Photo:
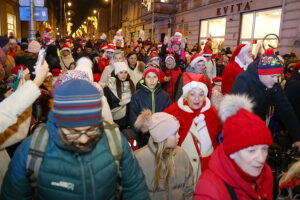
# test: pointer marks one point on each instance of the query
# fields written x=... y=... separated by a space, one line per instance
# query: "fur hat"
x=241 y=128
x=160 y=125
x=120 y=66
x=34 y=46
x=192 y=81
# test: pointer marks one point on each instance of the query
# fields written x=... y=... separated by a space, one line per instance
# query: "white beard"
x=247 y=60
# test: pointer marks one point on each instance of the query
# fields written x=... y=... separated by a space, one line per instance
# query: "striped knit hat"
x=77 y=103
x=269 y=64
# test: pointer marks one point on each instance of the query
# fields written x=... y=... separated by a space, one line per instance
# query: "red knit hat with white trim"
x=269 y=64
x=192 y=81
x=241 y=127
x=151 y=67
x=196 y=58
x=65 y=47
x=103 y=46
x=178 y=33
x=110 y=47
x=159 y=45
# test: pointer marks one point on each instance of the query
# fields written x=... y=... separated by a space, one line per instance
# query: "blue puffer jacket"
x=65 y=175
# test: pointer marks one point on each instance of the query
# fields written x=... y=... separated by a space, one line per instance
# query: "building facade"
x=228 y=22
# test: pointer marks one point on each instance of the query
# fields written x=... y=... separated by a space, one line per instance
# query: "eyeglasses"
x=73 y=134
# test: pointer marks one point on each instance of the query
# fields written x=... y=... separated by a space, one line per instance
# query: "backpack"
x=39 y=143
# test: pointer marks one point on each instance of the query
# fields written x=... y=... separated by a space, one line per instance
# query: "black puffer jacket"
x=292 y=91
x=248 y=83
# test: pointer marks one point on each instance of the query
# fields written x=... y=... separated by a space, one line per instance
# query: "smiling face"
x=195 y=98
x=200 y=67
x=151 y=80
x=170 y=63
x=132 y=60
x=269 y=80
x=252 y=159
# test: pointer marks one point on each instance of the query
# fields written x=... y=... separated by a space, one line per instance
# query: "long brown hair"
x=119 y=85
x=164 y=164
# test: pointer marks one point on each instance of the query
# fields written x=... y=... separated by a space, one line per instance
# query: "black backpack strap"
x=231 y=191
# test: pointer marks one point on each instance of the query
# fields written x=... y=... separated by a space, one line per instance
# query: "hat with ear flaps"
x=160 y=125
x=241 y=127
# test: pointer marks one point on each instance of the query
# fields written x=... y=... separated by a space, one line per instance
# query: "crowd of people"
x=73 y=111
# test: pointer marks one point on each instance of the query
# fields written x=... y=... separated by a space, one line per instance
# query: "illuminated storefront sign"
x=239 y=7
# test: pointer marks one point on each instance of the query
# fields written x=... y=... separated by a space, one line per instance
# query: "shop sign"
x=234 y=8
x=39 y=3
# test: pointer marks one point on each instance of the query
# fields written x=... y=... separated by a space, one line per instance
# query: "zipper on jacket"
x=92 y=180
x=83 y=177
x=153 y=100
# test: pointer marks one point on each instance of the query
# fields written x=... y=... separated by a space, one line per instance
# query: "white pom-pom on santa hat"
x=103 y=36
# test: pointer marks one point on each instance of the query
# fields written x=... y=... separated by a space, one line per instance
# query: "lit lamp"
x=69 y=13
x=69 y=4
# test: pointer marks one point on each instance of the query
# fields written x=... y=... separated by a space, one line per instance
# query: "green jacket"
x=65 y=175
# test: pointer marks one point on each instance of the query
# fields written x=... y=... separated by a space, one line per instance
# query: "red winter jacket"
x=231 y=71
x=102 y=63
x=174 y=74
x=211 y=184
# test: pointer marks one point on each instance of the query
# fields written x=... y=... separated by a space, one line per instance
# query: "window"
x=164 y=1
x=11 y=24
x=214 y=29
x=184 y=28
x=256 y=25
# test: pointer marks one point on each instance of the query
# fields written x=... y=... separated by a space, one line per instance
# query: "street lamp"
x=94 y=11
x=69 y=4
x=69 y=13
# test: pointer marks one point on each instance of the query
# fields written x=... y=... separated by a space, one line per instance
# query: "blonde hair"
x=117 y=52
x=292 y=173
x=164 y=164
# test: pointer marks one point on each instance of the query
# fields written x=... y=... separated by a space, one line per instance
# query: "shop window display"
x=214 y=29
x=11 y=23
x=256 y=25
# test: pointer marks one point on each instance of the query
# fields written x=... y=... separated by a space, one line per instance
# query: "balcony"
x=161 y=11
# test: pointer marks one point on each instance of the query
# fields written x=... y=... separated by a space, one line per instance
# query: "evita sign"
x=234 y=8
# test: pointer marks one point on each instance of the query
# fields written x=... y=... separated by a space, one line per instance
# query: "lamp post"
x=111 y=10
x=31 y=26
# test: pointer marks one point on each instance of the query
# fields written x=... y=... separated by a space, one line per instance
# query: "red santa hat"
x=48 y=30
x=196 y=58
x=178 y=33
x=159 y=45
x=103 y=46
x=217 y=80
x=169 y=56
x=242 y=48
x=241 y=128
x=153 y=50
x=110 y=47
x=154 y=55
x=207 y=51
x=65 y=47
x=192 y=81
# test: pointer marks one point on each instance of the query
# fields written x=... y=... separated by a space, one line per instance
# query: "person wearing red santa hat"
x=238 y=169
x=199 y=122
x=67 y=61
x=211 y=68
x=172 y=73
x=239 y=62
x=104 y=61
x=260 y=82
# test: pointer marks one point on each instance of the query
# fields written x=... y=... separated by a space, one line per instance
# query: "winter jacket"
x=144 y=98
x=292 y=91
x=231 y=71
x=181 y=186
x=156 y=100
x=136 y=73
x=170 y=85
x=248 y=83
x=67 y=63
x=119 y=107
x=179 y=85
x=66 y=175
x=211 y=185
x=190 y=135
x=17 y=103
x=12 y=135
x=102 y=63
x=105 y=75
